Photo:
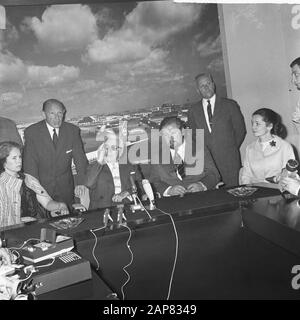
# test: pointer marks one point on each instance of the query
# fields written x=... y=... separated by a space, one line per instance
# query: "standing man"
x=295 y=68
x=50 y=146
x=9 y=132
x=224 y=128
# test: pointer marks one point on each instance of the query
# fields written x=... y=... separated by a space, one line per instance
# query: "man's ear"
x=43 y=114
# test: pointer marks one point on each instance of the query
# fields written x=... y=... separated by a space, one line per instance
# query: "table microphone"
x=133 y=185
x=134 y=206
x=149 y=192
x=290 y=171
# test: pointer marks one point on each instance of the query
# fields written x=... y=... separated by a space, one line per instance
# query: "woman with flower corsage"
x=267 y=156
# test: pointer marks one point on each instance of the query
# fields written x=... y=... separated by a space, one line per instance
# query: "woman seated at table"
x=21 y=194
x=268 y=155
x=108 y=179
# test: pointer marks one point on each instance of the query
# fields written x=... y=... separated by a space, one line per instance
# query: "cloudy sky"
x=106 y=58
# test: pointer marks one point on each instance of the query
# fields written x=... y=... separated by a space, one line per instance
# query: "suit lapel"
x=46 y=135
x=124 y=175
x=217 y=111
x=201 y=117
x=61 y=139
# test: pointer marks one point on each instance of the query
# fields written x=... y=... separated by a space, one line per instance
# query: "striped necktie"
x=209 y=113
x=180 y=165
x=55 y=138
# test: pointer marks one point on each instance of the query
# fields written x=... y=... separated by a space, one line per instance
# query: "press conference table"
x=228 y=248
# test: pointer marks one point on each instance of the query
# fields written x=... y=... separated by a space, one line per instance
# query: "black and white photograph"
x=149 y=151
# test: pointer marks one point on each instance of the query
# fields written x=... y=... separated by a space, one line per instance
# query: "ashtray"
x=242 y=191
x=67 y=223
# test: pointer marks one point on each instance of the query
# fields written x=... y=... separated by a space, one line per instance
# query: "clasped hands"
x=119 y=197
x=181 y=190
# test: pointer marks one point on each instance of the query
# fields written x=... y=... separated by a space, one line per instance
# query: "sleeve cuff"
x=165 y=194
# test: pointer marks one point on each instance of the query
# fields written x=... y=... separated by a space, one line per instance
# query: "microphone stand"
x=135 y=206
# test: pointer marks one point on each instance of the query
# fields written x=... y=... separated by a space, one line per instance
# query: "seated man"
x=181 y=175
x=108 y=180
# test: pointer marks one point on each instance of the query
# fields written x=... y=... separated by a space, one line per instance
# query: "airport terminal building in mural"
x=129 y=61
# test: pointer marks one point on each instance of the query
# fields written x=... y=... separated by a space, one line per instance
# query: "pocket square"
x=68 y=151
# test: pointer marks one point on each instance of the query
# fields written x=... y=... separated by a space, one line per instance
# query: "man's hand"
x=120 y=196
x=196 y=187
x=291 y=185
x=62 y=210
x=177 y=190
x=101 y=153
x=80 y=191
x=79 y=207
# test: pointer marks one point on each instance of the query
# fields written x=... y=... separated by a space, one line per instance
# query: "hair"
x=271 y=117
x=49 y=102
x=295 y=62
x=172 y=120
x=5 y=149
x=203 y=74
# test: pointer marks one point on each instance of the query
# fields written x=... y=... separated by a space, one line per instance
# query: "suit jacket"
x=9 y=132
x=100 y=182
x=228 y=133
x=52 y=167
x=165 y=175
x=261 y=164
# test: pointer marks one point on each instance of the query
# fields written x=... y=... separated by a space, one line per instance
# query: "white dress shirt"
x=50 y=129
x=115 y=171
x=181 y=153
x=204 y=104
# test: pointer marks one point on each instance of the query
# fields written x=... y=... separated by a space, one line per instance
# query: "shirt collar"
x=180 y=151
x=113 y=165
x=212 y=100
x=50 y=129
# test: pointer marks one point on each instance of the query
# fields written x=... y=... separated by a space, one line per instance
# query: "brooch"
x=273 y=143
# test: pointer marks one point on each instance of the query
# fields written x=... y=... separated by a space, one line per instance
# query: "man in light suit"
x=179 y=175
x=224 y=128
x=9 y=132
x=50 y=146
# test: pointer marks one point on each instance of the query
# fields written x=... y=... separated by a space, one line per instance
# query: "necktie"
x=55 y=138
x=209 y=113
x=180 y=166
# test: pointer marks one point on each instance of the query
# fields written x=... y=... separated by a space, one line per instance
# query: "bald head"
x=54 y=112
x=205 y=85
x=50 y=102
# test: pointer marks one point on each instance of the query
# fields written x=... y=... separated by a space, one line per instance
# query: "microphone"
x=290 y=170
x=149 y=192
x=133 y=185
x=291 y=167
x=134 y=206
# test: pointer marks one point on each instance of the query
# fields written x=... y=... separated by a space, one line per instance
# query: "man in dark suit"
x=224 y=128
x=50 y=146
x=9 y=132
x=108 y=179
x=295 y=67
x=186 y=170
